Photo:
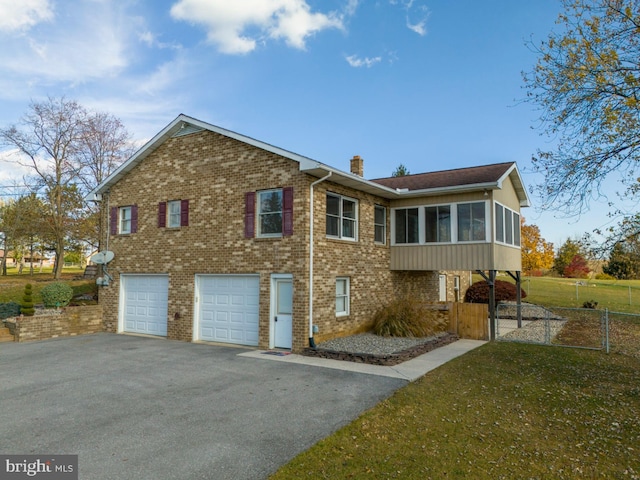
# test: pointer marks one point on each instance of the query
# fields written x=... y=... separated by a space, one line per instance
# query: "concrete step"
x=5 y=335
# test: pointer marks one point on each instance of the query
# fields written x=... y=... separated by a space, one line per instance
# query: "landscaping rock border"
x=388 y=359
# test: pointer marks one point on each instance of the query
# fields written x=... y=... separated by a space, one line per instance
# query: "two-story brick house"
x=220 y=237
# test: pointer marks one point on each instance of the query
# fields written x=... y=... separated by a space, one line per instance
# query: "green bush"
x=406 y=317
x=9 y=309
x=57 y=294
x=26 y=308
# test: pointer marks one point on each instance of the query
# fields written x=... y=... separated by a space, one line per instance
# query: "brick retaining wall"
x=71 y=321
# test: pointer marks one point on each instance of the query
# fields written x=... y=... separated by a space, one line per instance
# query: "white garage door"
x=228 y=308
x=145 y=304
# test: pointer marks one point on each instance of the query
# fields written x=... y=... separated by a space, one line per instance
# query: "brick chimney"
x=357 y=165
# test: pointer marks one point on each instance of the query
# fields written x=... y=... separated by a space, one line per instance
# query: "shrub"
x=10 y=309
x=407 y=317
x=57 y=294
x=504 y=291
x=26 y=308
x=604 y=276
x=590 y=304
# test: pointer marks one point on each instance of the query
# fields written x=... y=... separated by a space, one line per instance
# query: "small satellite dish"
x=102 y=258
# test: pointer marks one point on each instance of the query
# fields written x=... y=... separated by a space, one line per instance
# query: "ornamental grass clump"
x=26 y=308
x=56 y=294
x=406 y=317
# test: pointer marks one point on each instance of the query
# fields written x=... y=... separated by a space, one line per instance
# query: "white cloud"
x=417 y=15
x=420 y=27
x=92 y=43
x=18 y=15
x=358 y=62
x=238 y=27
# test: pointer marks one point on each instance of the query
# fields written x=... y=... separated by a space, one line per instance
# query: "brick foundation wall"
x=70 y=322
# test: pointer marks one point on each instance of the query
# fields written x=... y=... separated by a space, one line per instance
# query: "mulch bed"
x=387 y=359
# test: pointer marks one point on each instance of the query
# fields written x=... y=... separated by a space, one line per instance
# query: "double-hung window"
x=407 y=225
x=173 y=214
x=124 y=220
x=270 y=213
x=342 y=296
x=380 y=224
x=342 y=217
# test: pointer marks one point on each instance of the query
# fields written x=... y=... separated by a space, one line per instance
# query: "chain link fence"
x=570 y=327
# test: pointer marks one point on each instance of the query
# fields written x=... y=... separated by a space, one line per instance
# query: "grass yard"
x=616 y=295
x=12 y=285
x=503 y=411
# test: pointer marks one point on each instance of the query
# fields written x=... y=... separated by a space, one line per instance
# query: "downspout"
x=312 y=343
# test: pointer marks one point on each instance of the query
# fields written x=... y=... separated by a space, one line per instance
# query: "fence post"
x=606 y=329
x=547 y=328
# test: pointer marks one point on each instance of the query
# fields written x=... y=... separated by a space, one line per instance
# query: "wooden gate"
x=469 y=320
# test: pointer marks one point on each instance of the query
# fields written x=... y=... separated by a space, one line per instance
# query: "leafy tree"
x=624 y=260
x=69 y=150
x=400 y=171
x=24 y=226
x=566 y=253
x=577 y=268
x=587 y=85
x=537 y=253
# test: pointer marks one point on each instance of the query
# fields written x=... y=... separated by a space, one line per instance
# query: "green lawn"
x=12 y=285
x=616 y=295
x=503 y=411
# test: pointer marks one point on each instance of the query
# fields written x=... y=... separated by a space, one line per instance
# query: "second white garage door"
x=228 y=307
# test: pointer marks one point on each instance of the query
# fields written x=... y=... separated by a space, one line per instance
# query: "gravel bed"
x=535 y=331
x=372 y=344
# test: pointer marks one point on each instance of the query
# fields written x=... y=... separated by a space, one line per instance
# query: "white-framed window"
x=438 y=224
x=447 y=223
x=407 y=225
x=342 y=217
x=124 y=220
x=472 y=224
x=342 y=296
x=380 y=224
x=173 y=214
x=270 y=213
x=507 y=225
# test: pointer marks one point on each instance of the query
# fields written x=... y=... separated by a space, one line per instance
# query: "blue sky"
x=431 y=84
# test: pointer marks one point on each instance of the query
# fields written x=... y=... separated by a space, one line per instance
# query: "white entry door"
x=283 y=313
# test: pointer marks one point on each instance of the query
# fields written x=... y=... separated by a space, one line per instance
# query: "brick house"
x=215 y=238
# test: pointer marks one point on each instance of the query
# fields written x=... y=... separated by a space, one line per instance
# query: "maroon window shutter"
x=287 y=211
x=162 y=214
x=113 y=221
x=249 y=214
x=134 y=218
x=184 y=213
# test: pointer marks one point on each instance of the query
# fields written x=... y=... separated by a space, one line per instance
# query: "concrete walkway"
x=410 y=370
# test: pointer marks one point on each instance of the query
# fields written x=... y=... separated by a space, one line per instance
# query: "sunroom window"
x=407 y=225
x=471 y=222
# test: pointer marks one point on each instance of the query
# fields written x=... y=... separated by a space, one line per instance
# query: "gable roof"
x=480 y=177
x=486 y=177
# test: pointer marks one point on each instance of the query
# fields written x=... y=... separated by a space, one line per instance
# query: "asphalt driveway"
x=143 y=408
